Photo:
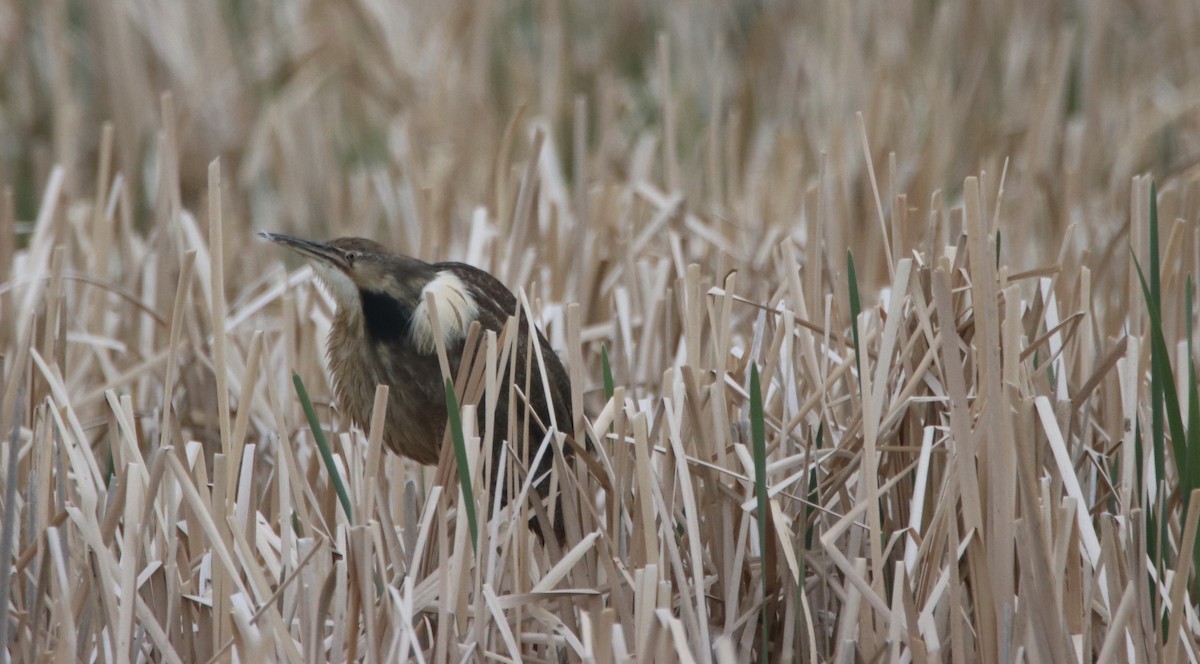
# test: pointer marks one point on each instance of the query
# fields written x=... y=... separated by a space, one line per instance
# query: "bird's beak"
x=319 y=251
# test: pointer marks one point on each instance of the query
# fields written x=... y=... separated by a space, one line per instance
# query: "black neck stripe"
x=387 y=318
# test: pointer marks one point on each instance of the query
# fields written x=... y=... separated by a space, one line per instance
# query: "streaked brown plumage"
x=382 y=334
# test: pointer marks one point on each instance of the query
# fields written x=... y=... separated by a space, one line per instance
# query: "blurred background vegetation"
x=309 y=103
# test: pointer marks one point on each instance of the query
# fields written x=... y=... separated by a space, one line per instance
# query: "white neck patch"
x=455 y=308
x=340 y=287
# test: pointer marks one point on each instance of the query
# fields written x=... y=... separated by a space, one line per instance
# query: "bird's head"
x=388 y=291
x=349 y=266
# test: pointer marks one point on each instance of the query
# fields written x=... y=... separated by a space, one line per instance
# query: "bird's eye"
x=352 y=256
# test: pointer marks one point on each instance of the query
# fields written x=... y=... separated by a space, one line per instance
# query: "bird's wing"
x=495 y=302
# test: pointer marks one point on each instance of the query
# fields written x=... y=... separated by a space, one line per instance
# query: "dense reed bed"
x=880 y=321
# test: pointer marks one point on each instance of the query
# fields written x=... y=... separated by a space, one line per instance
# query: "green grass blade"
x=759 y=438
x=1165 y=397
x=1138 y=464
x=609 y=388
x=1155 y=265
x=1193 y=427
x=1193 y=442
x=1162 y=395
x=460 y=456
x=855 y=310
x=323 y=445
x=814 y=497
x=1154 y=301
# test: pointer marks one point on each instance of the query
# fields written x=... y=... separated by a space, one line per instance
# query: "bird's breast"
x=359 y=361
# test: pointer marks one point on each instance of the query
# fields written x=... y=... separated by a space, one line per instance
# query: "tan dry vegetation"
x=677 y=183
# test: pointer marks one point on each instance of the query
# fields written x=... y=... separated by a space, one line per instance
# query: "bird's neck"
x=385 y=317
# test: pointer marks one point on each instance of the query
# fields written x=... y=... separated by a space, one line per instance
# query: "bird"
x=383 y=333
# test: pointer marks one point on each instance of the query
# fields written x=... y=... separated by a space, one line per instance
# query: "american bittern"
x=383 y=334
